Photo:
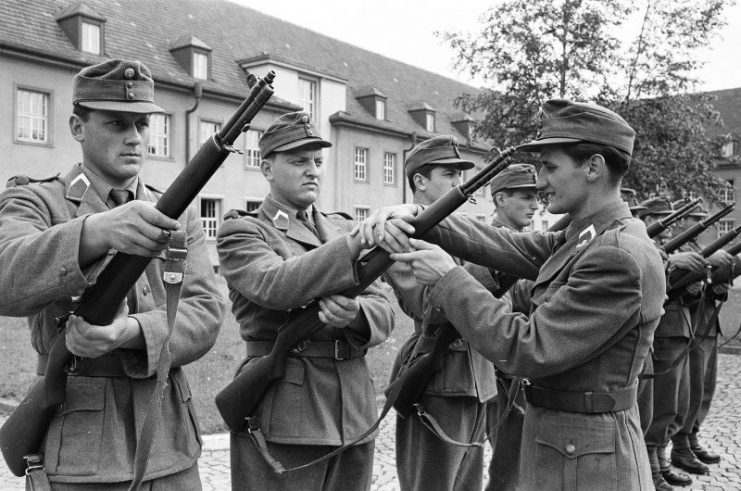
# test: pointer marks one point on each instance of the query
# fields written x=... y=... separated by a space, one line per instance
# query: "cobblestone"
x=721 y=432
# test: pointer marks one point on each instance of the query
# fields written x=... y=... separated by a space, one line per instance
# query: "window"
x=90 y=42
x=727 y=194
x=200 y=65
x=723 y=227
x=252 y=156
x=252 y=204
x=728 y=149
x=389 y=167
x=361 y=161
x=361 y=213
x=380 y=109
x=32 y=116
x=159 y=135
x=307 y=96
x=210 y=212
x=206 y=129
x=430 y=122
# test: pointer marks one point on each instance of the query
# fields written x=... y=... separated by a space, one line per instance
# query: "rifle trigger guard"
x=420 y=409
x=301 y=345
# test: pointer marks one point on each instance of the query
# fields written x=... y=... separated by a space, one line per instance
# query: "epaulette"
x=23 y=180
x=340 y=213
x=234 y=214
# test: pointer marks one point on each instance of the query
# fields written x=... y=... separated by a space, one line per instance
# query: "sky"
x=404 y=30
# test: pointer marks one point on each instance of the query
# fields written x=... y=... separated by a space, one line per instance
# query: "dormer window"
x=430 y=122
x=423 y=114
x=84 y=27
x=463 y=123
x=373 y=100
x=193 y=55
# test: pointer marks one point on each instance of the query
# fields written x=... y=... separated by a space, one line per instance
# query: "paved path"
x=721 y=432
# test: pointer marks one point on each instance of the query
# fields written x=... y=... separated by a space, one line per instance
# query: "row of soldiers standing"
x=552 y=329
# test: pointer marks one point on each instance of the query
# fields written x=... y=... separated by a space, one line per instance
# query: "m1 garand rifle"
x=695 y=230
x=23 y=432
x=660 y=225
x=239 y=400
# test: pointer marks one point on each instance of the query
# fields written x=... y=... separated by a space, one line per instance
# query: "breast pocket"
x=576 y=455
x=74 y=441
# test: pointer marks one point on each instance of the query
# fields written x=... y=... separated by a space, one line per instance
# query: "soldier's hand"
x=720 y=259
x=91 y=341
x=338 y=310
x=720 y=289
x=687 y=261
x=694 y=288
x=136 y=228
x=388 y=228
x=429 y=262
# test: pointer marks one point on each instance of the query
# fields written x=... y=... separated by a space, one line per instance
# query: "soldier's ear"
x=596 y=167
x=419 y=181
x=77 y=127
x=266 y=166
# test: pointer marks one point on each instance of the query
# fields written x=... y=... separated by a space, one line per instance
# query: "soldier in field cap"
x=275 y=260
x=57 y=235
x=456 y=395
x=597 y=297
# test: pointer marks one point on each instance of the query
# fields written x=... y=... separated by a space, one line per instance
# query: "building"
x=201 y=53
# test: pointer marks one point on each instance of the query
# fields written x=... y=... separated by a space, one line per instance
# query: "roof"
x=728 y=103
x=147 y=29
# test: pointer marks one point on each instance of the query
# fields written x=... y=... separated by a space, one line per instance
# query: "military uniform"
x=456 y=394
x=92 y=437
x=274 y=263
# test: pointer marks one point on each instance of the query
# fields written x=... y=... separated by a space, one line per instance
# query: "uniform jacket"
x=464 y=372
x=597 y=298
x=92 y=438
x=272 y=264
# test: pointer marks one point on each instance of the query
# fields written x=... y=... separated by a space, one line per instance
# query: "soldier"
x=456 y=394
x=276 y=259
x=57 y=235
x=597 y=297
x=671 y=340
x=515 y=202
x=629 y=196
x=687 y=452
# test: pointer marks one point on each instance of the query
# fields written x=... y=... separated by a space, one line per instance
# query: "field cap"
x=115 y=85
x=439 y=150
x=516 y=176
x=630 y=197
x=697 y=212
x=290 y=132
x=659 y=205
x=563 y=121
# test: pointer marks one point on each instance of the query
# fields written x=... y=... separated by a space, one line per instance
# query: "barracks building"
x=374 y=109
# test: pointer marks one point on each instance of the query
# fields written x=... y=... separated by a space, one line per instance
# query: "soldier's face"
x=114 y=144
x=517 y=207
x=295 y=176
x=441 y=179
x=562 y=181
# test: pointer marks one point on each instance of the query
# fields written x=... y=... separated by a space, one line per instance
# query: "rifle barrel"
x=659 y=226
x=696 y=229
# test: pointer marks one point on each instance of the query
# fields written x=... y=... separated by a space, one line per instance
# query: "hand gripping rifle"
x=659 y=226
x=696 y=229
x=24 y=430
x=239 y=400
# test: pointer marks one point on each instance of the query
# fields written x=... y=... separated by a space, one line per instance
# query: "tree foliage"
x=638 y=58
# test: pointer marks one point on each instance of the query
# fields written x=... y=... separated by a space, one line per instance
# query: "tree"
x=531 y=50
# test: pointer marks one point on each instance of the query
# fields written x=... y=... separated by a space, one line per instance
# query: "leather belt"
x=104 y=366
x=426 y=343
x=580 y=402
x=339 y=349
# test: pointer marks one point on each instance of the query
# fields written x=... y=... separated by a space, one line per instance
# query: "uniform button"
x=570 y=449
x=129 y=84
x=62 y=271
x=145 y=290
x=131 y=95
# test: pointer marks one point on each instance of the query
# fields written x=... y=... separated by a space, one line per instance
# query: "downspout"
x=413 y=137
x=197 y=93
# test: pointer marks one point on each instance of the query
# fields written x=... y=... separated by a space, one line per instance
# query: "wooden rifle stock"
x=23 y=432
x=696 y=229
x=684 y=278
x=240 y=398
x=659 y=226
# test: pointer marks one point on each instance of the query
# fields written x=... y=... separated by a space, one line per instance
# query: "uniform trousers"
x=646 y=395
x=671 y=390
x=711 y=376
x=424 y=462
x=703 y=370
x=187 y=480
x=351 y=469
x=505 y=439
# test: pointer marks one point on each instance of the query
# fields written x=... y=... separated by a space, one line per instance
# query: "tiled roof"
x=147 y=29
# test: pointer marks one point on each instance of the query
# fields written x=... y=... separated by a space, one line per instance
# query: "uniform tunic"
x=92 y=437
x=597 y=298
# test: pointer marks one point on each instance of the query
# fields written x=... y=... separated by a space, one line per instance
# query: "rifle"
x=239 y=399
x=696 y=229
x=23 y=432
x=659 y=226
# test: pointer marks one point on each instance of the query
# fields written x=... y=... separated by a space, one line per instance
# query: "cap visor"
x=462 y=164
x=536 y=145
x=304 y=142
x=128 y=107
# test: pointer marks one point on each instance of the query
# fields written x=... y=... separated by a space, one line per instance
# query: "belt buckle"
x=301 y=346
x=337 y=347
